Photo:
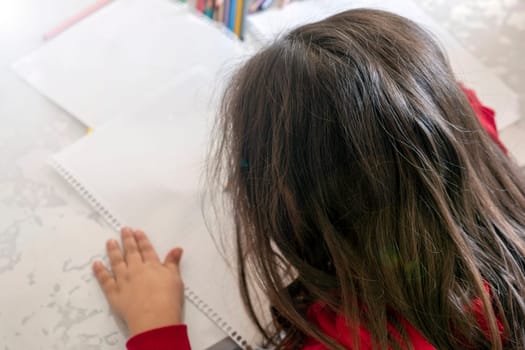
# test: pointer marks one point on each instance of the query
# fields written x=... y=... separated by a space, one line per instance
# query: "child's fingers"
x=116 y=260
x=172 y=260
x=146 y=250
x=104 y=278
x=131 y=250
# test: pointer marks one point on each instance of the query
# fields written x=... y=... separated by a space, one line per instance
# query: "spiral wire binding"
x=116 y=225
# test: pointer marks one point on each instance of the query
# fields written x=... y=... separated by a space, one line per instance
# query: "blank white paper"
x=147 y=171
x=108 y=64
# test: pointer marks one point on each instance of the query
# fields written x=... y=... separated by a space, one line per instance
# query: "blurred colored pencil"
x=200 y=5
x=208 y=8
x=231 y=19
x=254 y=7
x=226 y=12
x=266 y=4
x=75 y=19
x=238 y=18
x=220 y=11
x=243 y=20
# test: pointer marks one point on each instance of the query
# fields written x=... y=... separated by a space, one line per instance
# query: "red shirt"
x=332 y=324
x=486 y=116
x=328 y=321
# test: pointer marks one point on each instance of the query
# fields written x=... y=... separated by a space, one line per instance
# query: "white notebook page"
x=145 y=171
x=109 y=63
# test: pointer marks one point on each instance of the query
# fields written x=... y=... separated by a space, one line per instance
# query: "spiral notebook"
x=146 y=171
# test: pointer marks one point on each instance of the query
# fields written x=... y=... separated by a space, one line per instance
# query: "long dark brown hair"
x=357 y=168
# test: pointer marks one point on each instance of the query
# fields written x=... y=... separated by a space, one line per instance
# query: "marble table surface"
x=48 y=235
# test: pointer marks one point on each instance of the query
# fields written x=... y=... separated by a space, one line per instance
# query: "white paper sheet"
x=491 y=90
x=109 y=63
x=146 y=170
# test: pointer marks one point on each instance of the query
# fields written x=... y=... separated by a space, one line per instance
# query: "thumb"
x=173 y=258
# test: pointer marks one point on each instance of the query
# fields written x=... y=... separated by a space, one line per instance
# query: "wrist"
x=148 y=322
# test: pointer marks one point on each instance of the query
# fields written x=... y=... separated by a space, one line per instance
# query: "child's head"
x=357 y=165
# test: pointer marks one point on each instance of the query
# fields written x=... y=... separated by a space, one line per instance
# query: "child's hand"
x=143 y=291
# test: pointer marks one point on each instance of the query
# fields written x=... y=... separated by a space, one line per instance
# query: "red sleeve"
x=486 y=116
x=164 y=338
